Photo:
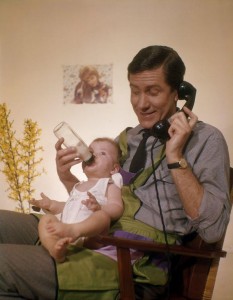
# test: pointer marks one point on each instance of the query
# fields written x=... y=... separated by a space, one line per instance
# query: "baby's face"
x=92 y=80
x=105 y=159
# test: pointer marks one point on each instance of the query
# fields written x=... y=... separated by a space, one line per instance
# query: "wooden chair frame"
x=197 y=263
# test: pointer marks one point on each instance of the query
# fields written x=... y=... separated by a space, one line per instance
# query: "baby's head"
x=107 y=154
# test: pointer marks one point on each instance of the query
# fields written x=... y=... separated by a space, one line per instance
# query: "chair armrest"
x=148 y=246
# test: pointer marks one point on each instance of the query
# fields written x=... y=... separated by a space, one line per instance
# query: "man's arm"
x=186 y=183
x=188 y=188
x=203 y=188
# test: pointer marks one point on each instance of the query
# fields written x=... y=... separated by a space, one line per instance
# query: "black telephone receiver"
x=185 y=92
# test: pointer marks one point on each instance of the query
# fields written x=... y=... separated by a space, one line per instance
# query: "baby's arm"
x=113 y=210
x=48 y=205
x=114 y=206
x=91 y=203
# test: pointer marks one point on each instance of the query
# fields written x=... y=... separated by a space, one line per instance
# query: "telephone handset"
x=185 y=92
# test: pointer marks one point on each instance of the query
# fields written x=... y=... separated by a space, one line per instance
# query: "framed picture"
x=87 y=84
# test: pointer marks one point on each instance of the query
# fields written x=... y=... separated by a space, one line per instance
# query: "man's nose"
x=143 y=100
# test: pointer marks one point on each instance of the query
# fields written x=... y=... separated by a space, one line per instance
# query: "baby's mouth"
x=89 y=162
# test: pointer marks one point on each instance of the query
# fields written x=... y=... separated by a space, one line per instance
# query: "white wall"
x=38 y=37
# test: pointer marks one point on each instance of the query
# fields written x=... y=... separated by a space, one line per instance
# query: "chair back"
x=195 y=265
x=198 y=275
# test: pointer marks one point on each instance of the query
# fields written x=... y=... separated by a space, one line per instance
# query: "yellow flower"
x=19 y=158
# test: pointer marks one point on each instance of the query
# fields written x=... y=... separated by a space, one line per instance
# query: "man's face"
x=151 y=97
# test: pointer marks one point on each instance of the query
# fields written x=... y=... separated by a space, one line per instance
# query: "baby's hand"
x=91 y=203
x=43 y=203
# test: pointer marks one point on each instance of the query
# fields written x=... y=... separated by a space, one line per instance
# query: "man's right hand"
x=65 y=159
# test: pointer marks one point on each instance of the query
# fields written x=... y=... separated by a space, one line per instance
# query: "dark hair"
x=153 y=57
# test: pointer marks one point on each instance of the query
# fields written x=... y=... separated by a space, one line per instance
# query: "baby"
x=91 y=206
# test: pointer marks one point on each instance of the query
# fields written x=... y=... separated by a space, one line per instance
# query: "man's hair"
x=153 y=57
x=114 y=144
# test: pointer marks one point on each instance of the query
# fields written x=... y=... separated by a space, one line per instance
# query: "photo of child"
x=87 y=84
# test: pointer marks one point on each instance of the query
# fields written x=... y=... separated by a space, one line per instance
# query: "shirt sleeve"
x=212 y=167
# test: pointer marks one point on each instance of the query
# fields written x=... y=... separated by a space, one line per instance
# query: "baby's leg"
x=47 y=239
x=60 y=249
x=53 y=243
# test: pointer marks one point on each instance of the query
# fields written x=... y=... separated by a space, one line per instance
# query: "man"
x=184 y=190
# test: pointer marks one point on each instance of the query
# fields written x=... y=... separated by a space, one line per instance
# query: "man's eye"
x=135 y=92
x=153 y=92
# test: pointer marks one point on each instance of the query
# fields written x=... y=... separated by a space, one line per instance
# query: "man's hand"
x=179 y=131
x=65 y=160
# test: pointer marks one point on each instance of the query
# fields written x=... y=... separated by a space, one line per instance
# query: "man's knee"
x=18 y=228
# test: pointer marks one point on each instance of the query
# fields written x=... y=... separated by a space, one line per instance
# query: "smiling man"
x=182 y=188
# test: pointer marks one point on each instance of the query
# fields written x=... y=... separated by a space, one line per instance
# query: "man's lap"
x=18 y=228
x=28 y=271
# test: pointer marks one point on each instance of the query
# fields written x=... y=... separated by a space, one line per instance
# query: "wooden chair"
x=196 y=264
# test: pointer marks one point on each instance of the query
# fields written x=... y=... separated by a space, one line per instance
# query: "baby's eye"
x=100 y=153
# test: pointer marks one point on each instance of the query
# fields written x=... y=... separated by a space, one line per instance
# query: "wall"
x=38 y=37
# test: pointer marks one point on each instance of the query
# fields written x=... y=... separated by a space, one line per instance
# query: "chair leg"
x=125 y=274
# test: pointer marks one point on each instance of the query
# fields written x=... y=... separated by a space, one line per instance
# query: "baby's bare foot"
x=60 y=249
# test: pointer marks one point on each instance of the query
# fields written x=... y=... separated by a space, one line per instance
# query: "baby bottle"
x=71 y=139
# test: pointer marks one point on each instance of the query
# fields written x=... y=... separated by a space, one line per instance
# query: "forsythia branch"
x=18 y=159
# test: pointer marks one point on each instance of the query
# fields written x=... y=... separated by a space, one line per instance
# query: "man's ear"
x=116 y=168
x=176 y=96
